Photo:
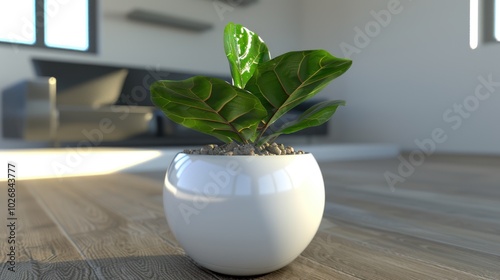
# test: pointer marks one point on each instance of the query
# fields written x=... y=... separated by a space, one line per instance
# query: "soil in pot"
x=234 y=149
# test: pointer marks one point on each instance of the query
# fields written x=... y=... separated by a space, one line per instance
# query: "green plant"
x=263 y=90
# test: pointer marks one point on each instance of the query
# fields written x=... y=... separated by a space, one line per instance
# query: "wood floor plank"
x=74 y=213
x=433 y=232
x=305 y=268
x=131 y=197
x=42 y=249
x=301 y=268
x=467 y=262
x=108 y=241
x=440 y=223
x=445 y=216
x=140 y=205
x=355 y=258
x=450 y=173
x=419 y=206
x=136 y=256
x=97 y=195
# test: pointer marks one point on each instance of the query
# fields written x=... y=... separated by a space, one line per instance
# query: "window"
x=15 y=22
x=54 y=24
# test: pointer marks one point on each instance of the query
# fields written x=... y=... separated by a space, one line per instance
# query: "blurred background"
x=418 y=80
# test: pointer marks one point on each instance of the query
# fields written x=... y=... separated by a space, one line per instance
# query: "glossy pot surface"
x=244 y=215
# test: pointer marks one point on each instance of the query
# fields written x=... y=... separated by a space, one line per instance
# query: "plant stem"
x=242 y=139
x=261 y=133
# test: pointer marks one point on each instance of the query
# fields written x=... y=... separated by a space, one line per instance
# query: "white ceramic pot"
x=244 y=215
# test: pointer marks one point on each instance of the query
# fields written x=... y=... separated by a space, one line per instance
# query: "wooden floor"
x=442 y=222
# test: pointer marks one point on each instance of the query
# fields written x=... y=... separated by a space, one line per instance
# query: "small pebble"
x=274 y=150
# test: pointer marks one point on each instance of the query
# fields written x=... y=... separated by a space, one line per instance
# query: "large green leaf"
x=244 y=50
x=318 y=114
x=289 y=79
x=211 y=106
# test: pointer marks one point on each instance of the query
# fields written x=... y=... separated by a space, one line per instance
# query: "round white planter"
x=244 y=215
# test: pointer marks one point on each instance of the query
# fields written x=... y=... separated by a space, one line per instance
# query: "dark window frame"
x=490 y=20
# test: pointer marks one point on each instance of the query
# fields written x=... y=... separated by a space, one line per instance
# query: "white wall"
x=408 y=74
x=403 y=79
x=148 y=45
x=129 y=43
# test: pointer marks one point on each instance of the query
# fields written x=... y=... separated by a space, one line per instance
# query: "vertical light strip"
x=497 y=20
x=474 y=24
